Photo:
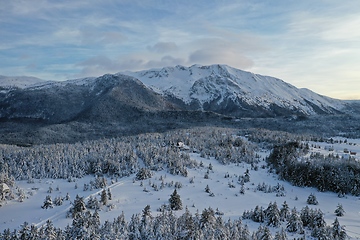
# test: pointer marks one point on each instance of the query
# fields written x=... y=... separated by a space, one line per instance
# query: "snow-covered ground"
x=340 y=146
x=130 y=197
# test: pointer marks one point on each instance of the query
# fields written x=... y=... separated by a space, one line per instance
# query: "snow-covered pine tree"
x=58 y=201
x=49 y=230
x=104 y=197
x=93 y=203
x=284 y=211
x=143 y=174
x=175 y=201
x=258 y=214
x=321 y=233
x=120 y=226
x=78 y=206
x=272 y=215
x=24 y=232
x=186 y=225
x=281 y=235
x=207 y=189
x=246 y=176
x=109 y=194
x=312 y=200
x=294 y=223
x=339 y=211
x=134 y=226
x=94 y=224
x=242 y=189
x=146 y=224
x=338 y=231
x=207 y=218
x=263 y=233
x=146 y=213
x=47 y=202
x=306 y=216
x=317 y=219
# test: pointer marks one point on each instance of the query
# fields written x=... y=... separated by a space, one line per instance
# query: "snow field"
x=128 y=196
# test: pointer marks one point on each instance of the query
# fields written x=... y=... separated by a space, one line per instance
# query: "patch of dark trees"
x=326 y=173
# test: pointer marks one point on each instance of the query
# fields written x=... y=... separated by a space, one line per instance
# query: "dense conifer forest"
x=142 y=155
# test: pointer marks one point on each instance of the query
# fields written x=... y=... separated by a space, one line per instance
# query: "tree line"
x=120 y=157
x=326 y=173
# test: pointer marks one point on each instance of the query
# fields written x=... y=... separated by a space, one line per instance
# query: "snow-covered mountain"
x=20 y=81
x=106 y=98
x=218 y=89
x=224 y=89
x=161 y=99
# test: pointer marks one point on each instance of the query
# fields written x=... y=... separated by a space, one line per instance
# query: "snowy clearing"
x=130 y=197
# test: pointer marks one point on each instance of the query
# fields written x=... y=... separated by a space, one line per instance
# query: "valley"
x=199 y=152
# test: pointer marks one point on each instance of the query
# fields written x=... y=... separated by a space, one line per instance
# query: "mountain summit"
x=234 y=92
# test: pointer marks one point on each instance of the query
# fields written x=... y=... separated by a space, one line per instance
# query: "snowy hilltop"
x=20 y=81
x=224 y=89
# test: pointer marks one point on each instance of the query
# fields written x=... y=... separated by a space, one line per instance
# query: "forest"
x=326 y=173
x=144 y=154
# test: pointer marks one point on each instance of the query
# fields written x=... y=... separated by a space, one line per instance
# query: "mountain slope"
x=107 y=98
x=216 y=88
x=227 y=90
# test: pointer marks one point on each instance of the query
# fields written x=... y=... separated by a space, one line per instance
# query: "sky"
x=309 y=44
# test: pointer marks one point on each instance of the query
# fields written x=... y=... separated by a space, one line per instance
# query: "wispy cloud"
x=163 y=47
x=312 y=44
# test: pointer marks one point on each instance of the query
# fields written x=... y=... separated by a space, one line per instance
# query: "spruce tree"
x=247 y=176
x=109 y=194
x=312 y=200
x=24 y=232
x=104 y=197
x=272 y=214
x=258 y=214
x=93 y=203
x=58 y=201
x=207 y=189
x=49 y=230
x=208 y=217
x=48 y=202
x=266 y=234
x=318 y=219
x=146 y=212
x=338 y=231
x=339 y=211
x=294 y=224
x=281 y=235
x=284 y=211
x=78 y=206
x=175 y=201
x=306 y=216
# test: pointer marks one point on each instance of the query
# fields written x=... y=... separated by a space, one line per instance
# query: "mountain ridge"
x=216 y=88
x=118 y=104
x=207 y=86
